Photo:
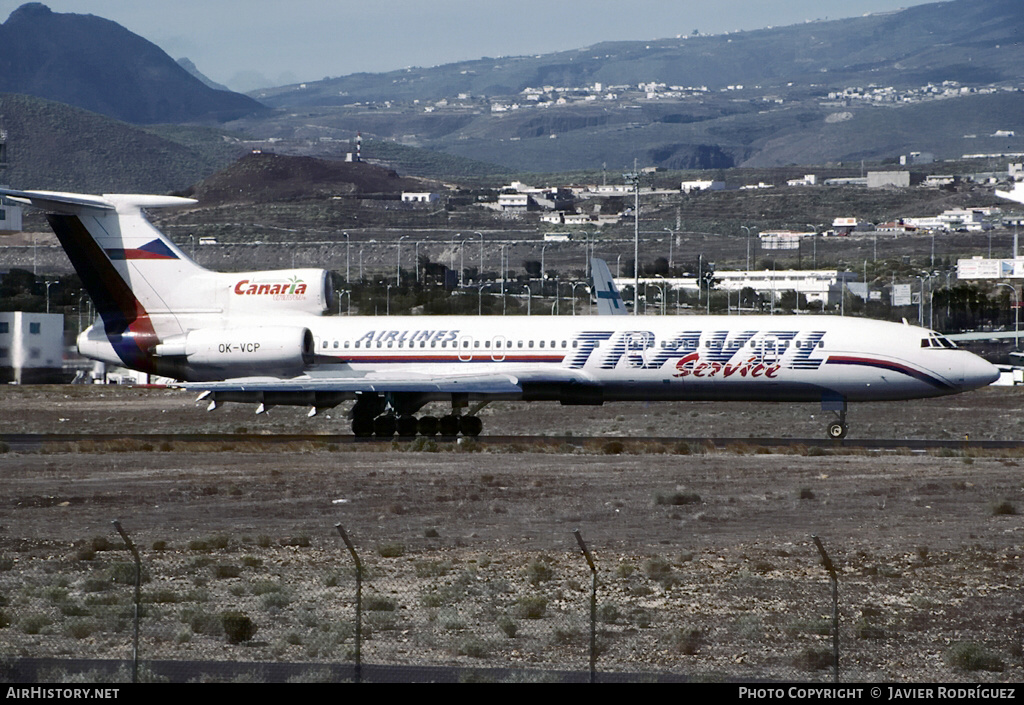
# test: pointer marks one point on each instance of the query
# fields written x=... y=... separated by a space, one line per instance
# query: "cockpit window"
x=934 y=340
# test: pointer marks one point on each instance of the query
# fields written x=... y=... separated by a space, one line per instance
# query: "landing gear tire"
x=384 y=426
x=448 y=425
x=362 y=427
x=470 y=425
x=428 y=425
x=407 y=426
x=837 y=431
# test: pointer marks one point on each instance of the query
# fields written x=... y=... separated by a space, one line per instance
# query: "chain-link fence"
x=311 y=608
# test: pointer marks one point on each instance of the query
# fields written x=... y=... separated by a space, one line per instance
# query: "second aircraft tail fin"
x=609 y=301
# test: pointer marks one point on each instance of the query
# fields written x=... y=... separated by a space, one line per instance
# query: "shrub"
x=202 y=622
x=391 y=550
x=677 y=498
x=35 y=623
x=532 y=607
x=660 y=570
x=378 y=603
x=124 y=574
x=80 y=628
x=538 y=571
x=1004 y=508
x=612 y=448
x=969 y=656
x=688 y=640
x=238 y=627
x=473 y=647
x=813 y=659
x=226 y=571
x=608 y=613
x=296 y=541
x=508 y=626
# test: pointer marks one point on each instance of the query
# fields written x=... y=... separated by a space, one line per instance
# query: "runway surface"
x=26 y=442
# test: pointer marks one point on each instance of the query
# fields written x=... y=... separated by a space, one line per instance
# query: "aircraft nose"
x=978 y=372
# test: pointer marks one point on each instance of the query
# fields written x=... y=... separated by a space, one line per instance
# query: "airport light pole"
x=504 y=267
x=453 y=255
x=48 y=285
x=633 y=178
x=671 y=239
x=477 y=232
x=398 y=263
x=542 y=248
x=348 y=258
x=1017 y=314
x=814 y=242
x=529 y=299
x=748 y=229
x=661 y=291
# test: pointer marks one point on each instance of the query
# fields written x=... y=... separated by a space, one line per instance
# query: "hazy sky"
x=306 y=40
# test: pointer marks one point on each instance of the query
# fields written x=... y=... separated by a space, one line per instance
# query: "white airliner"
x=266 y=338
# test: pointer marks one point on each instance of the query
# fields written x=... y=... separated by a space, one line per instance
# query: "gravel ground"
x=705 y=560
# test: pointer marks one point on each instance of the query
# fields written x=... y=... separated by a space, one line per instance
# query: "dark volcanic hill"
x=276 y=177
x=96 y=64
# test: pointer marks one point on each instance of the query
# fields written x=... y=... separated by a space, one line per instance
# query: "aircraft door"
x=465 y=344
x=499 y=344
x=771 y=349
x=636 y=347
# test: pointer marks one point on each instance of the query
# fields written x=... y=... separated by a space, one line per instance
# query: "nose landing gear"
x=837 y=429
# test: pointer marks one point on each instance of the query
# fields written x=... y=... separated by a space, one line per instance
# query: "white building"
x=31 y=347
x=823 y=285
x=513 y=201
x=701 y=185
x=808 y=180
x=409 y=197
x=884 y=179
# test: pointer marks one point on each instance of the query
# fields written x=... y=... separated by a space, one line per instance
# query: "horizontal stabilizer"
x=76 y=203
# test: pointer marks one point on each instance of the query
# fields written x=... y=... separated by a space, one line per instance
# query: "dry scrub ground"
x=706 y=566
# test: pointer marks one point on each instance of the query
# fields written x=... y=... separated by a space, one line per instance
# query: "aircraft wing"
x=478 y=384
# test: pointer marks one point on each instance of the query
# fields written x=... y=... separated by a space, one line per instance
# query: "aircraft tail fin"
x=134 y=274
x=609 y=301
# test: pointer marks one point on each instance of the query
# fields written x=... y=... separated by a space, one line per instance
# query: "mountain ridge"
x=96 y=64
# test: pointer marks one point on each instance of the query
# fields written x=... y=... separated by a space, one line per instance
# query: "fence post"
x=827 y=562
x=359 y=601
x=138 y=589
x=593 y=605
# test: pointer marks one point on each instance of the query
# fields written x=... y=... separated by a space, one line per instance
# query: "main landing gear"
x=377 y=416
x=388 y=424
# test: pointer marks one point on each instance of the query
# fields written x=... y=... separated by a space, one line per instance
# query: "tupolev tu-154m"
x=266 y=338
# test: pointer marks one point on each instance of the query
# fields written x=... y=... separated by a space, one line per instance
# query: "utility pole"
x=633 y=178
